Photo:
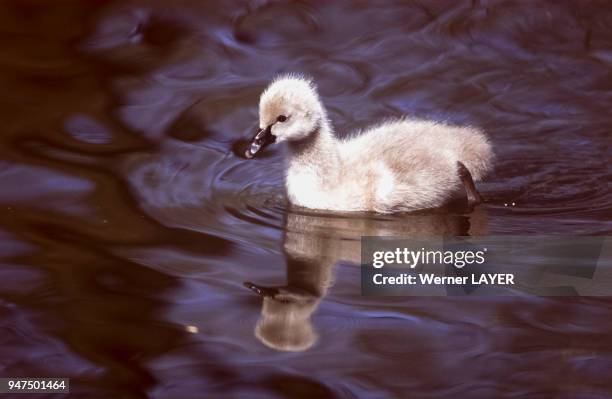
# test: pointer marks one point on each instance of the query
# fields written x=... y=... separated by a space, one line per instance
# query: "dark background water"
x=128 y=225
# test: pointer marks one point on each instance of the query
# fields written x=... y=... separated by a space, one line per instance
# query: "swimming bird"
x=396 y=166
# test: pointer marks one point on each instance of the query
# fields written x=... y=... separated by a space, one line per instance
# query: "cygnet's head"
x=289 y=110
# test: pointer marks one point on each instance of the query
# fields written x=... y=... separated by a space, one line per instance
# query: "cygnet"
x=396 y=166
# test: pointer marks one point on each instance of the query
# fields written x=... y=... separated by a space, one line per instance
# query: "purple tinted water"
x=128 y=225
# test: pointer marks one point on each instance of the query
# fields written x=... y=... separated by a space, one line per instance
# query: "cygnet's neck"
x=317 y=151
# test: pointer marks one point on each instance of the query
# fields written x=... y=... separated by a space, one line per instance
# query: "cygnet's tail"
x=476 y=153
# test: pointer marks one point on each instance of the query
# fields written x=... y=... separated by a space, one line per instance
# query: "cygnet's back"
x=412 y=143
x=412 y=164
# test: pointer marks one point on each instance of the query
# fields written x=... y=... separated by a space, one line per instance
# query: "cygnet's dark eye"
x=281 y=118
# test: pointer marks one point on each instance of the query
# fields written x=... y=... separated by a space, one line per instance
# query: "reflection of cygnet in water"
x=399 y=165
x=313 y=244
x=285 y=322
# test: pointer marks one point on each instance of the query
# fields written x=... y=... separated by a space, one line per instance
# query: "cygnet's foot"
x=473 y=197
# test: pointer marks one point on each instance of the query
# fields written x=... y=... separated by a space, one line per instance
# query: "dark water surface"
x=128 y=225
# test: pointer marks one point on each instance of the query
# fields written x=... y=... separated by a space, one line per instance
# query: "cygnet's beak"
x=260 y=141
